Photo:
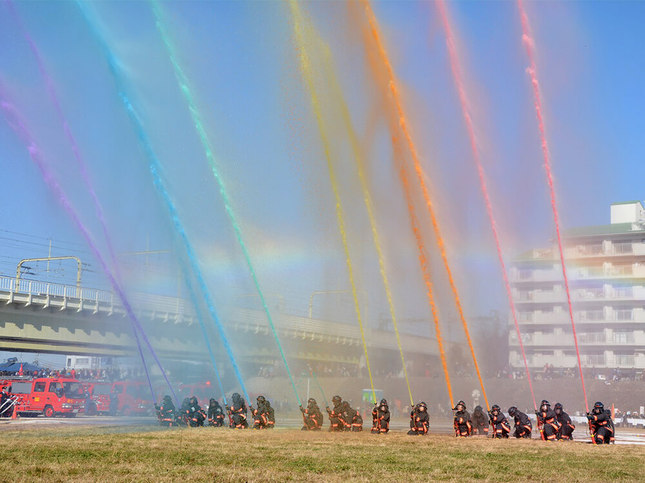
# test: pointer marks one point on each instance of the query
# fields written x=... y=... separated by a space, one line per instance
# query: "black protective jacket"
x=312 y=416
x=381 y=418
x=523 y=425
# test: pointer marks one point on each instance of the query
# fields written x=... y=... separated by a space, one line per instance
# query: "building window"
x=622 y=248
x=623 y=292
x=624 y=360
x=596 y=337
x=624 y=314
x=592 y=315
x=593 y=359
x=526 y=316
x=623 y=337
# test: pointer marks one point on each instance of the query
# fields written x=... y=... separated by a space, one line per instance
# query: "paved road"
x=82 y=421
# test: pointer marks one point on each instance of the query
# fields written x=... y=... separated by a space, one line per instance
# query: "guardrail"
x=172 y=309
x=35 y=287
x=63 y=297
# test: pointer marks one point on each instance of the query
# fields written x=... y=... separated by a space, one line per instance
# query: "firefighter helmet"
x=598 y=408
x=512 y=411
x=261 y=399
x=336 y=399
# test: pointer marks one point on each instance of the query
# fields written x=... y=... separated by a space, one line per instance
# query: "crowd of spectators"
x=549 y=372
x=108 y=374
x=629 y=419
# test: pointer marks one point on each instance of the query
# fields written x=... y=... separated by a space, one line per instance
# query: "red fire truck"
x=100 y=394
x=48 y=396
x=203 y=391
x=134 y=398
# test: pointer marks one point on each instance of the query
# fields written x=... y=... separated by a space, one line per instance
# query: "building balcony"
x=560 y=360
x=592 y=339
x=606 y=293
x=627 y=317
x=600 y=250
x=619 y=272
x=535 y=275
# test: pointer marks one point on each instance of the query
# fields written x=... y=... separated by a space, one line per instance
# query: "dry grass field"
x=205 y=454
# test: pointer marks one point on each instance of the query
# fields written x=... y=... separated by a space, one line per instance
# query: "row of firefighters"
x=553 y=424
x=191 y=414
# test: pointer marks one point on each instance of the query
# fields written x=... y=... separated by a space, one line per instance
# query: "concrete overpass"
x=66 y=319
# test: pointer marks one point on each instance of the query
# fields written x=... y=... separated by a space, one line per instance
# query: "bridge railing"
x=36 y=287
x=40 y=292
x=162 y=303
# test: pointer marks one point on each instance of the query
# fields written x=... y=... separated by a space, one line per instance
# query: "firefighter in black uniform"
x=600 y=424
x=381 y=418
x=523 y=426
x=547 y=422
x=336 y=421
x=480 y=421
x=345 y=417
x=311 y=416
x=215 y=413
x=419 y=420
x=462 y=424
x=183 y=415
x=566 y=425
x=166 y=412
x=237 y=412
x=498 y=422
x=354 y=418
x=196 y=415
x=264 y=415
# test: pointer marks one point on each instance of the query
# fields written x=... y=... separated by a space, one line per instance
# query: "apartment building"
x=606 y=272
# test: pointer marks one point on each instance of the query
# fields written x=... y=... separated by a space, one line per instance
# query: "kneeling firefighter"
x=237 y=412
x=523 y=426
x=461 y=422
x=311 y=416
x=381 y=418
x=419 y=420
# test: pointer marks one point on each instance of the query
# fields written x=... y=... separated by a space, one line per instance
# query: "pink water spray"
x=529 y=44
x=463 y=99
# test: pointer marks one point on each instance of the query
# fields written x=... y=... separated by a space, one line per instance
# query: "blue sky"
x=242 y=66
